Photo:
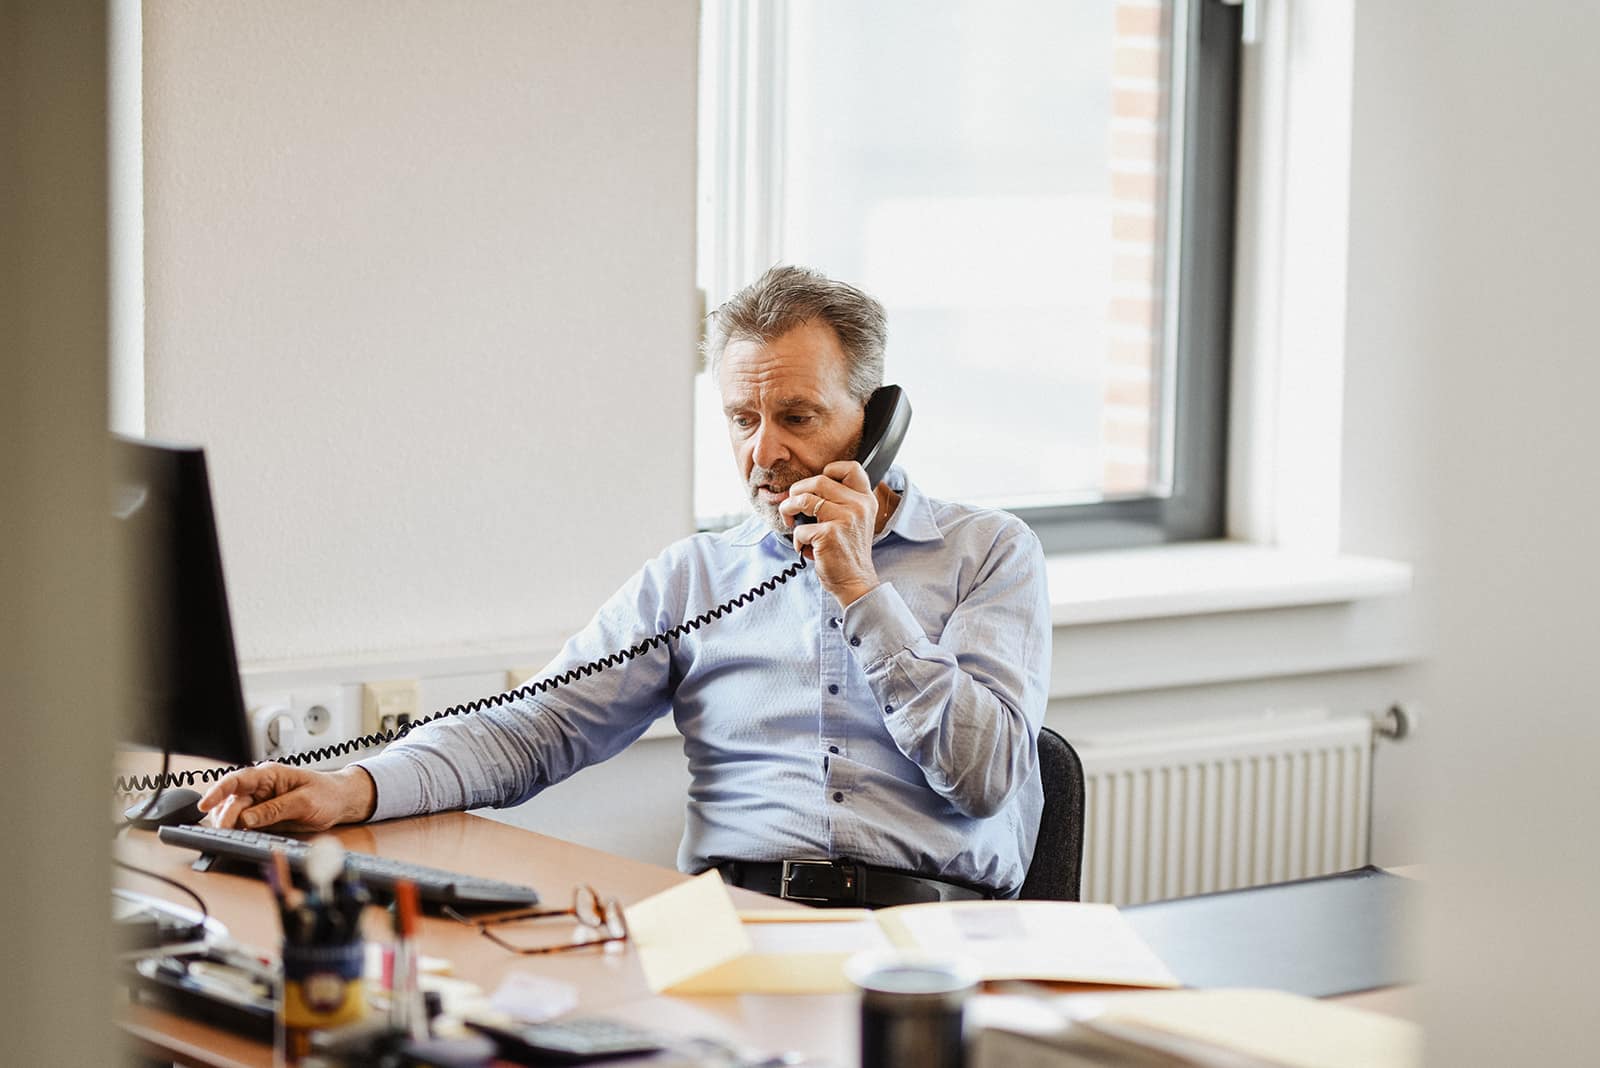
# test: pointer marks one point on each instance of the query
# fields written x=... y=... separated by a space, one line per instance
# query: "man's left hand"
x=840 y=541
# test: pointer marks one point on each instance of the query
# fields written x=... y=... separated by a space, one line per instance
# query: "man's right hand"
x=290 y=799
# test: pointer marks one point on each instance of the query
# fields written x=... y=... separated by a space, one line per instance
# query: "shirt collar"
x=912 y=520
x=913 y=516
x=750 y=532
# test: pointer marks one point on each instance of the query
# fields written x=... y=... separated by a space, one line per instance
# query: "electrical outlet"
x=388 y=706
x=271 y=728
x=307 y=718
x=327 y=713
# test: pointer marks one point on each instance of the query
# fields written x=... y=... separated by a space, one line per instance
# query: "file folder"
x=1333 y=934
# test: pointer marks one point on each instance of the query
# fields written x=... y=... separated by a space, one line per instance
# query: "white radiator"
x=1181 y=812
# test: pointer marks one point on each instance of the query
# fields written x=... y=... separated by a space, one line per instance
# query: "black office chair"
x=1057 y=868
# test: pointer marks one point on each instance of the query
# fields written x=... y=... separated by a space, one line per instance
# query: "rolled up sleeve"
x=966 y=708
x=504 y=755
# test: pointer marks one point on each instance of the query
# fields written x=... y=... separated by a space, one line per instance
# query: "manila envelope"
x=691 y=940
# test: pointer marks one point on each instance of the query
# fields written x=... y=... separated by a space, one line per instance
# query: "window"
x=1041 y=194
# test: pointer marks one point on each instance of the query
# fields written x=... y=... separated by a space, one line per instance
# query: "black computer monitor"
x=184 y=692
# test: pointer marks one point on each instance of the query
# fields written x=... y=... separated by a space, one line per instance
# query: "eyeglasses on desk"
x=602 y=916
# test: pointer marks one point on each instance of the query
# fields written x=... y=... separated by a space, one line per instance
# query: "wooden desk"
x=608 y=981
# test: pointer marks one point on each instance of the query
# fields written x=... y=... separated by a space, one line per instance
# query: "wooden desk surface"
x=608 y=981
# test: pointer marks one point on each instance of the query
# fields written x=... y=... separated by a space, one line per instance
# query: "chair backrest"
x=1057 y=867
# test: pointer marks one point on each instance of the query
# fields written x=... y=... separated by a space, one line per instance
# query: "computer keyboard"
x=378 y=874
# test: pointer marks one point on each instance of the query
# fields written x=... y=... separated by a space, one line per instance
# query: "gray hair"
x=786 y=297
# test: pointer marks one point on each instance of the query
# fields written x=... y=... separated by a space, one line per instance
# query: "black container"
x=911 y=1011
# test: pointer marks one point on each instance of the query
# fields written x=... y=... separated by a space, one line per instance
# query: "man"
x=878 y=710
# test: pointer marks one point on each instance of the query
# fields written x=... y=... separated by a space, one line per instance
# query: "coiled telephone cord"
x=138 y=784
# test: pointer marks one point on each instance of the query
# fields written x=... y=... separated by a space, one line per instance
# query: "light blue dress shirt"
x=899 y=732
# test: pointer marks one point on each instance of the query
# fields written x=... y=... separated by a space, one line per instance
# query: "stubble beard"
x=781 y=477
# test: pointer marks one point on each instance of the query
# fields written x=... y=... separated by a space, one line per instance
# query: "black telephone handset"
x=883 y=428
x=882 y=431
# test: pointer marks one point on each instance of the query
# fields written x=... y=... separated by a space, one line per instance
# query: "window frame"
x=1197 y=314
x=1204 y=154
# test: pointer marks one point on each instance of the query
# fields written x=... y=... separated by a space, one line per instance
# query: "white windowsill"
x=1213 y=613
x=1198 y=578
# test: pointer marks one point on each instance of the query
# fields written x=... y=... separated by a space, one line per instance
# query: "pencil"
x=283 y=884
x=407 y=1013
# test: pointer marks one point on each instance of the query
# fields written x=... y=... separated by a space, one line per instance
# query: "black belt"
x=842 y=883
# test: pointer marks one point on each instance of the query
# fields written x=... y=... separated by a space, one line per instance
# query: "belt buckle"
x=845 y=870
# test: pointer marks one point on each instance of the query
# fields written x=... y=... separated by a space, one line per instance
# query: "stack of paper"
x=1059 y=940
x=1207 y=1028
x=691 y=940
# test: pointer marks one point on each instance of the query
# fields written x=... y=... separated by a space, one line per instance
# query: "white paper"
x=533 y=998
x=685 y=930
x=1038 y=940
x=850 y=936
x=1282 y=1028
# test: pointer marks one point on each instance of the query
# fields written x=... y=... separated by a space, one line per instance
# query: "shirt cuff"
x=398 y=785
x=879 y=624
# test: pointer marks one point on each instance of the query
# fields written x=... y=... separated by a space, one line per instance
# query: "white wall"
x=1385 y=393
x=1494 y=180
x=420 y=278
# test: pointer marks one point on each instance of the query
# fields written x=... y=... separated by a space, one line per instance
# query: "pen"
x=406 y=1012
x=298 y=920
x=277 y=873
x=350 y=898
x=323 y=864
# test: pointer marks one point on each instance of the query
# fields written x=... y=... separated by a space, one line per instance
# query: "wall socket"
x=306 y=718
x=287 y=721
x=388 y=706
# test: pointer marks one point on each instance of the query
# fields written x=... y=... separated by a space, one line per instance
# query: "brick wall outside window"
x=1137 y=182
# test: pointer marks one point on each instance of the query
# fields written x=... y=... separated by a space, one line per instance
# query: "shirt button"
x=837 y=796
x=833 y=749
x=855 y=641
x=835 y=621
x=833 y=687
x=888 y=708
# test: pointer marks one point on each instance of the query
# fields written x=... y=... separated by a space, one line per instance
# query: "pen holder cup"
x=911 y=1008
x=322 y=988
